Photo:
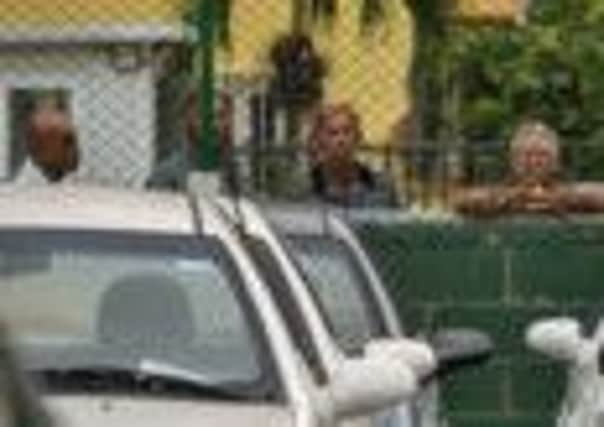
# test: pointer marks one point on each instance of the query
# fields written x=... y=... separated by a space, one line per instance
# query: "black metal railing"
x=422 y=173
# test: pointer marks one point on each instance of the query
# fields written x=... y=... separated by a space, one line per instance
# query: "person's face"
x=535 y=161
x=56 y=152
x=53 y=145
x=338 y=137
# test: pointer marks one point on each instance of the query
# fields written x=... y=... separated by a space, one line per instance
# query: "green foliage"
x=479 y=81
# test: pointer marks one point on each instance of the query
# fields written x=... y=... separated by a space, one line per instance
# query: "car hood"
x=128 y=412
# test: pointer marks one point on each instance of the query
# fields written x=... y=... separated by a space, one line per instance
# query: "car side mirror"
x=418 y=355
x=370 y=384
x=559 y=338
x=458 y=347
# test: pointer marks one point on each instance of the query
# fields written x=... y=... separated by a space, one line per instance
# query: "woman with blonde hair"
x=336 y=175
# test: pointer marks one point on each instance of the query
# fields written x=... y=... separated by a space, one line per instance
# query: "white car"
x=562 y=340
x=333 y=282
x=142 y=309
x=330 y=253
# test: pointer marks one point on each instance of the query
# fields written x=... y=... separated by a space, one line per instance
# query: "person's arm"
x=481 y=201
x=586 y=197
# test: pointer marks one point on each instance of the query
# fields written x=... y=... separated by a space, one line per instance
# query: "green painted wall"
x=497 y=276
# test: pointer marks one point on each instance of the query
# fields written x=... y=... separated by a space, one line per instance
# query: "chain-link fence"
x=374 y=102
x=296 y=65
x=107 y=75
x=424 y=174
x=288 y=90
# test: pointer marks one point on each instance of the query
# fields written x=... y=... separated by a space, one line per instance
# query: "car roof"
x=95 y=208
x=297 y=218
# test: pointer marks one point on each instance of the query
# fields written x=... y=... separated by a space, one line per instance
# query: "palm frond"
x=323 y=8
x=223 y=19
x=371 y=12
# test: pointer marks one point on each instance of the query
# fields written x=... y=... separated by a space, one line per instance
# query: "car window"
x=157 y=305
x=289 y=308
x=342 y=289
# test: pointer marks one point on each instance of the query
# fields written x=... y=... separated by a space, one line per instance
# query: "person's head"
x=535 y=153
x=52 y=141
x=224 y=118
x=335 y=134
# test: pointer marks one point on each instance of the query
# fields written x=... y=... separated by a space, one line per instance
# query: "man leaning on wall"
x=535 y=182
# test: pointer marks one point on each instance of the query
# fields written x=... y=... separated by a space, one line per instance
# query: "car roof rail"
x=201 y=185
x=209 y=186
x=298 y=217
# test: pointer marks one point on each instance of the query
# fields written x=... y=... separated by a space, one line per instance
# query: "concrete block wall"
x=497 y=277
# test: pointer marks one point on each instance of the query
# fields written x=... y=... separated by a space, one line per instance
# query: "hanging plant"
x=298 y=72
x=371 y=12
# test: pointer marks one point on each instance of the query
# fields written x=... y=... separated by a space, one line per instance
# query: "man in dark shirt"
x=336 y=175
x=534 y=184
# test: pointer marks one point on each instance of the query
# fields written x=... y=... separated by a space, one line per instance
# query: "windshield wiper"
x=149 y=377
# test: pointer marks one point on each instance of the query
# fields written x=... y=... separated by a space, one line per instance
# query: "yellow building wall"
x=370 y=70
x=255 y=24
x=19 y=13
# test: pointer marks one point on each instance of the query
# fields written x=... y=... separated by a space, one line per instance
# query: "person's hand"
x=537 y=199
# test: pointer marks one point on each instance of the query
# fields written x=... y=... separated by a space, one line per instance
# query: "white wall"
x=114 y=112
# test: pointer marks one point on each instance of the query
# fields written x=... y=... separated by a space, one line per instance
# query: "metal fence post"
x=208 y=153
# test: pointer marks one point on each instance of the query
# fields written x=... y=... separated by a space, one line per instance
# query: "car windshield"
x=341 y=288
x=88 y=304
